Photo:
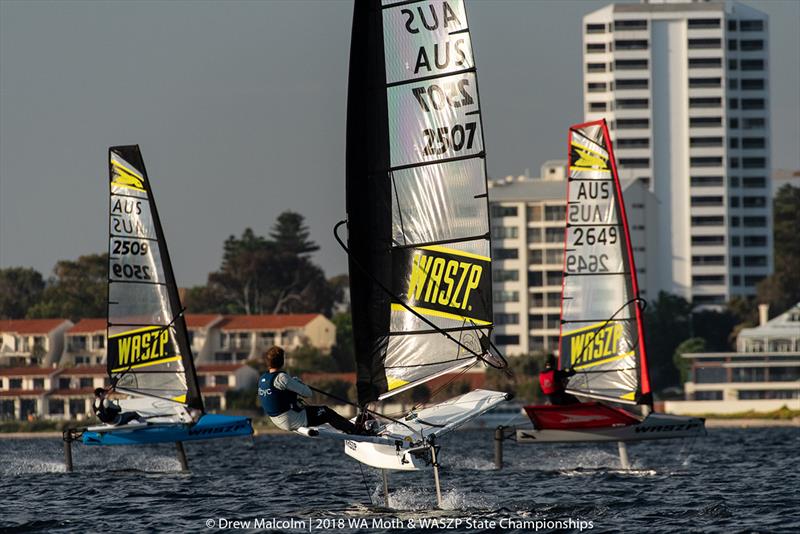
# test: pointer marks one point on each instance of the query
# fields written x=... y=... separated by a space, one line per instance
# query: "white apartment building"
x=32 y=341
x=684 y=87
x=528 y=217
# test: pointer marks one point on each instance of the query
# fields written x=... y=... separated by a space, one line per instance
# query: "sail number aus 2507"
x=442 y=139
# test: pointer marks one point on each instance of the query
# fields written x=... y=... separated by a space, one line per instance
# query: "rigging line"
x=366 y=487
x=392 y=295
x=115 y=380
x=441 y=388
x=373 y=412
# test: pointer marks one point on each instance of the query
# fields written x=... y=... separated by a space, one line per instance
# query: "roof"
x=28 y=371
x=201 y=320
x=30 y=326
x=526 y=190
x=785 y=325
x=22 y=392
x=669 y=7
x=267 y=322
x=220 y=367
x=85 y=370
x=87 y=326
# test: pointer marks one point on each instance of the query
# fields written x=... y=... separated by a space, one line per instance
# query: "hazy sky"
x=239 y=108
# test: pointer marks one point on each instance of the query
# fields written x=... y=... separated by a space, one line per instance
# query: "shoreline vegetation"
x=261 y=425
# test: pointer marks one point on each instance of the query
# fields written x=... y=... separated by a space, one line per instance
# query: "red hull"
x=578 y=416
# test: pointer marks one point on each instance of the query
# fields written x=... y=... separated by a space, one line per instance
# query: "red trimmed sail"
x=601 y=320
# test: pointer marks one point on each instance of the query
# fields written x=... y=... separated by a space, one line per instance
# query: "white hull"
x=654 y=426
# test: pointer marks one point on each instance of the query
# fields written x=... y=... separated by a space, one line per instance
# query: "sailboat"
x=602 y=335
x=149 y=357
x=418 y=238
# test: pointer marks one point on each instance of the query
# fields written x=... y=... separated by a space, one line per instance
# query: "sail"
x=417 y=207
x=148 y=345
x=601 y=320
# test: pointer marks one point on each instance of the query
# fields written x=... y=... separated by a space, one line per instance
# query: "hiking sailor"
x=280 y=398
x=554 y=383
x=109 y=412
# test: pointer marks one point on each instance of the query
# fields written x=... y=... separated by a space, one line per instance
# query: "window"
x=751 y=45
x=706 y=181
x=734 y=163
x=595 y=48
x=595 y=28
x=630 y=25
x=595 y=67
x=555 y=256
x=534 y=235
x=14 y=383
x=734 y=202
x=708 y=280
x=752 y=84
x=732 y=44
x=708 y=260
x=705 y=102
x=506 y=339
x=751 y=25
x=752 y=103
x=201 y=380
x=597 y=87
x=733 y=64
x=703 y=141
x=733 y=142
x=631 y=84
x=754 y=163
x=753 y=123
x=55 y=406
x=731 y=25
x=754 y=142
x=708 y=220
x=733 y=124
x=754 y=202
x=632 y=103
x=500 y=275
x=752 y=64
x=707 y=240
x=702 y=23
x=597 y=106
x=86 y=382
x=733 y=103
x=555 y=213
x=705 y=122
x=630 y=44
x=506 y=253
x=535 y=257
x=506 y=318
x=634 y=163
x=706 y=161
x=737 y=280
x=735 y=222
x=755 y=241
x=753 y=280
x=705 y=62
x=221 y=380
x=733 y=83
x=707 y=395
x=705 y=43
x=554 y=235
x=748 y=374
x=38 y=383
x=64 y=383
x=213 y=403
x=505 y=232
x=632 y=124
x=506 y=296
x=710 y=375
x=640 y=142
x=630 y=64
x=755 y=261
x=704 y=82
x=736 y=261
x=503 y=211
x=754 y=182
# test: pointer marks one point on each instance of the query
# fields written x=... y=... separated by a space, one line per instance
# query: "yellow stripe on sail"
x=394 y=383
x=146 y=364
x=455 y=252
x=437 y=313
x=601 y=362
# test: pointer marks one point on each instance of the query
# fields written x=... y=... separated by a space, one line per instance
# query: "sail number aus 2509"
x=130 y=247
x=440 y=140
x=136 y=272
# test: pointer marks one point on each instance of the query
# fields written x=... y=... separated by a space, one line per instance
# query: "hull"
x=654 y=426
x=388 y=456
x=210 y=426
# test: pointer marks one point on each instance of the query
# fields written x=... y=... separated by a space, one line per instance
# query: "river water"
x=734 y=480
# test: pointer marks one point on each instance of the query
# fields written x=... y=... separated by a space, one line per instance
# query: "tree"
x=691 y=345
x=245 y=264
x=306 y=359
x=207 y=299
x=20 y=288
x=78 y=289
x=521 y=379
x=290 y=234
x=343 y=351
x=666 y=325
x=782 y=289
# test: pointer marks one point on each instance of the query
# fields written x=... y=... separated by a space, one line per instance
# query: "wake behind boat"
x=602 y=336
x=149 y=358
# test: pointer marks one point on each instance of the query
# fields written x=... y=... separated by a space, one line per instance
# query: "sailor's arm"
x=290 y=383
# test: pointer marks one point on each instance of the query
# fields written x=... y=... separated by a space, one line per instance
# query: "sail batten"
x=601 y=323
x=149 y=354
x=417 y=203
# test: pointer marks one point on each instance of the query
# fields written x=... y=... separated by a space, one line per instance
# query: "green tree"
x=521 y=379
x=207 y=299
x=666 y=325
x=308 y=359
x=782 y=289
x=78 y=289
x=691 y=345
x=291 y=235
x=343 y=351
x=20 y=288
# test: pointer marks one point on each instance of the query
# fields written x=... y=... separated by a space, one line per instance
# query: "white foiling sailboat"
x=602 y=336
x=149 y=358
x=418 y=222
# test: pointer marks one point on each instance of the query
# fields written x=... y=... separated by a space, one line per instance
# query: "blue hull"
x=210 y=426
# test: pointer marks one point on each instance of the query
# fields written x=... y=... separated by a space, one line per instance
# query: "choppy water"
x=735 y=480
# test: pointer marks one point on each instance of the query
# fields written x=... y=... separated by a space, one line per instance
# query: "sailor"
x=109 y=412
x=553 y=382
x=280 y=398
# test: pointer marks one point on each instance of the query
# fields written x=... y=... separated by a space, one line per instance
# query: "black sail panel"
x=148 y=346
x=418 y=222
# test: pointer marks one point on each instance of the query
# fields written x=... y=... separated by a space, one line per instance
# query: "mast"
x=148 y=345
x=417 y=203
x=601 y=319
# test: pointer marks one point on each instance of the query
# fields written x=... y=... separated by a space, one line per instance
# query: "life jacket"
x=275 y=401
x=548 y=383
x=106 y=414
